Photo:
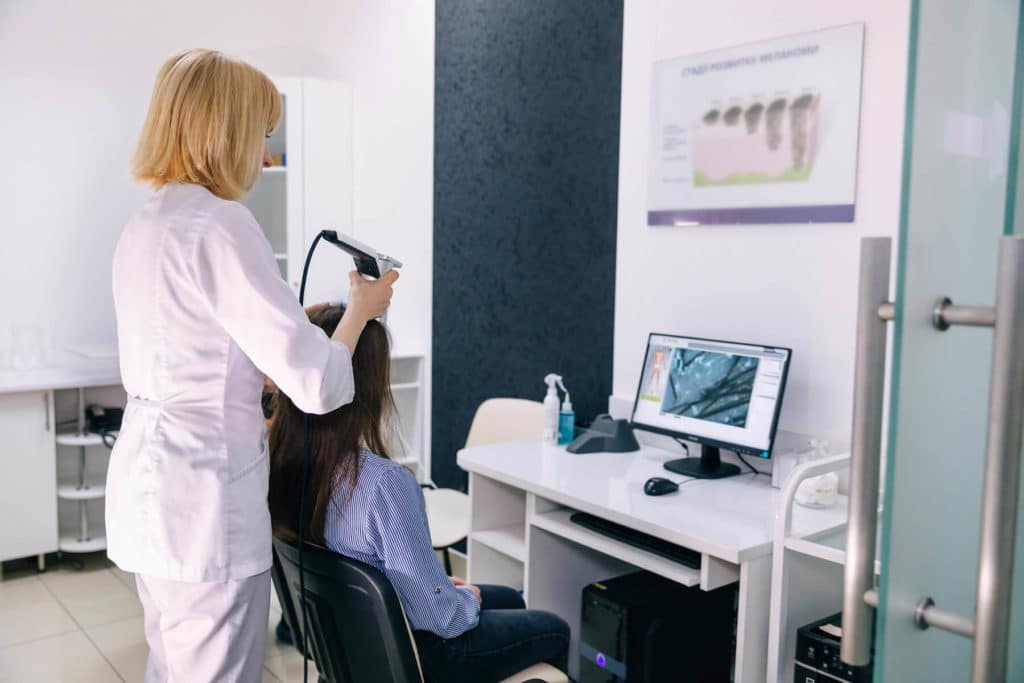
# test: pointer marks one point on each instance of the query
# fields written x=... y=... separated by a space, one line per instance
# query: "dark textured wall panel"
x=525 y=181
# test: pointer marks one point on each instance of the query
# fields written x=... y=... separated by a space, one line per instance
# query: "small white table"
x=524 y=492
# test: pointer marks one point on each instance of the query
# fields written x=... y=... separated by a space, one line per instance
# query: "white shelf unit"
x=312 y=189
x=409 y=445
x=807 y=571
x=81 y=470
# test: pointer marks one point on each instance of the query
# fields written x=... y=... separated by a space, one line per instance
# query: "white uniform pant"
x=205 y=632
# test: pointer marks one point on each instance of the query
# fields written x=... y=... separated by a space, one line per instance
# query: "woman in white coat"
x=202 y=316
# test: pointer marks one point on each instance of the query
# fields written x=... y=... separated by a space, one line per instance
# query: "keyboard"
x=638 y=539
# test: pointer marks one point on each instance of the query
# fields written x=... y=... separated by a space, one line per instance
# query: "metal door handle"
x=1002 y=469
x=873 y=309
x=991 y=624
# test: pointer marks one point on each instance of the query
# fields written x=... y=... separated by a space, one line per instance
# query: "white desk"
x=64 y=371
x=523 y=493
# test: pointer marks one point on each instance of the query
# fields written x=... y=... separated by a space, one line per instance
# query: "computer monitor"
x=719 y=394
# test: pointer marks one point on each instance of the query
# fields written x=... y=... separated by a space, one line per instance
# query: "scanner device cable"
x=346 y=245
x=306 y=457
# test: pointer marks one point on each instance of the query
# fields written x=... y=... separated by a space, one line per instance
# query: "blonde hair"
x=207 y=124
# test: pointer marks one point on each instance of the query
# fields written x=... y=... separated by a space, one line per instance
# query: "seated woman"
x=365 y=506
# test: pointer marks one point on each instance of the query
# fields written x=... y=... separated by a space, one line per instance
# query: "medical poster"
x=761 y=133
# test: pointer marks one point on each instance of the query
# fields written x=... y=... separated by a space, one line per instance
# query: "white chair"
x=496 y=420
x=506 y=419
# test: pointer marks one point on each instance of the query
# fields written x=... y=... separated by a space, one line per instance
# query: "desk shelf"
x=510 y=540
x=497 y=536
x=829 y=546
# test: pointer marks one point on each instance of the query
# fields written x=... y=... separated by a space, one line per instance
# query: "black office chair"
x=284 y=598
x=358 y=632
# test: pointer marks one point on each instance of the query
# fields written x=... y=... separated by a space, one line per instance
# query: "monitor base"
x=708 y=466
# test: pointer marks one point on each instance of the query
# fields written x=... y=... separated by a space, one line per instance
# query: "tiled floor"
x=85 y=625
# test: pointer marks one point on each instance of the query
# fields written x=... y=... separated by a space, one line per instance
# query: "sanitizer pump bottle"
x=566 y=421
x=551 y=409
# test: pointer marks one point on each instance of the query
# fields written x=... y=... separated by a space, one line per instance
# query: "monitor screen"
x=720 y=393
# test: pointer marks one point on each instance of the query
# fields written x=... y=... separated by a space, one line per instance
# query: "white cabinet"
x=28 y=506
x=309 y=187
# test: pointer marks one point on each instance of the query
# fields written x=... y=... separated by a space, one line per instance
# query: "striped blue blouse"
x=385 y=525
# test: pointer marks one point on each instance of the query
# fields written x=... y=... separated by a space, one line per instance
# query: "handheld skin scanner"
x=369 y=262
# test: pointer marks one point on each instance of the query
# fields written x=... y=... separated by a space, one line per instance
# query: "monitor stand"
x=708 y=466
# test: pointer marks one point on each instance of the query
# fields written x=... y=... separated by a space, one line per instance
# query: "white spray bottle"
x=551 y=409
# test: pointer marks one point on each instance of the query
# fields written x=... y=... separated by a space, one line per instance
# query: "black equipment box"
x=817 y=654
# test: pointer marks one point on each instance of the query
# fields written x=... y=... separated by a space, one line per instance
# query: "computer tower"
x=643 y=628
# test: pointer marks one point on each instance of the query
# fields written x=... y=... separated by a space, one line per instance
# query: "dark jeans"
x=508 y=639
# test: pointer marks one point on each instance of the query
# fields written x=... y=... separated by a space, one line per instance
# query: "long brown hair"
x=336 y=438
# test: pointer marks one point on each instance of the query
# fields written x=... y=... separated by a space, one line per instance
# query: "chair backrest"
x=284 y=597
x=506 y=419
x=357 y=628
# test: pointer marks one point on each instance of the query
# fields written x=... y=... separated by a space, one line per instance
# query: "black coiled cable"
x=306 y=457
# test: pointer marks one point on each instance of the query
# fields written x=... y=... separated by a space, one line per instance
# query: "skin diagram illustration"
x=762 y=133
x=769 y=140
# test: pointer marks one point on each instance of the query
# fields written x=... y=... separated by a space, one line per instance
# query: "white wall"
x=788 y=285
x=76 y=81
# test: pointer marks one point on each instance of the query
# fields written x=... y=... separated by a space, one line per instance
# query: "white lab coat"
x=202 y=315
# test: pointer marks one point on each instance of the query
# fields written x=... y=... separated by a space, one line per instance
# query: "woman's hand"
x=475 y=591
x=472 y=589
x=367 y=299
x=370 y=298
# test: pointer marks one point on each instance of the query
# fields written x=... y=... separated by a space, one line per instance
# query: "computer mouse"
x=659 y=486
